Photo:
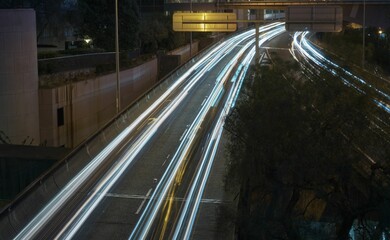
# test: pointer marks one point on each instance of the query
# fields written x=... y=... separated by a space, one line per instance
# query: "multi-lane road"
x=150 y=181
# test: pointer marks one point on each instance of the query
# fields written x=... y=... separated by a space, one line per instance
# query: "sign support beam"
x=257 y=54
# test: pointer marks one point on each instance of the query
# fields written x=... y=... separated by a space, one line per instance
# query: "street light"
x=364 y=33
x=118 y=93
x=191 y=33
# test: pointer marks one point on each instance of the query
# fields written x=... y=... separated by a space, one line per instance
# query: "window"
x=60 y=117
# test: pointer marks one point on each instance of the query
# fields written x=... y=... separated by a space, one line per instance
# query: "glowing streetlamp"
x=364 y=33
x=191 y=32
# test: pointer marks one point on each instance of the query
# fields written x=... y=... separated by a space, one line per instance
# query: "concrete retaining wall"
x=168 y=62
x=185 y=52
x=88 y=105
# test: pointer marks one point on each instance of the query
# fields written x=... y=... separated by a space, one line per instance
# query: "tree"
x=290 y=137
x=99 y=23
x=155 y=33
x=49 y=14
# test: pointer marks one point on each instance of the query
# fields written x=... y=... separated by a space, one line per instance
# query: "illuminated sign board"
x=204 y=22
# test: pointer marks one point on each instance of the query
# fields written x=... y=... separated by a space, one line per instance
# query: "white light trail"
x=186 y=220
x=309 y=53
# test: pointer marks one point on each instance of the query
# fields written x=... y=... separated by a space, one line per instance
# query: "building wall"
x=242 y=14
x=88 y=105
x=173 y=59
x=185 y=52
x=19 y=118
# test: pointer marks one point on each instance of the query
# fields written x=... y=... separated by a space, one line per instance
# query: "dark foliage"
x=348 y=44
x=298 y=147
x=99 y=23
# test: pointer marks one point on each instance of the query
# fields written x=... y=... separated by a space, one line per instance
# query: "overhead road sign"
x=314 y=18
x=204 y=22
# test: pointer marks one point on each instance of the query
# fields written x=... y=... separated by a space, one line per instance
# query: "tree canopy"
x=51 y=14
x=99 y=23
x=297 y=152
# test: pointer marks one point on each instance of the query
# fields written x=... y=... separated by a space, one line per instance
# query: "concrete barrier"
x=6 y=229
x=24 y=211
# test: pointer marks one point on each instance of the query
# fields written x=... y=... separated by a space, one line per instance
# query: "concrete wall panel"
x=93 y=103
x=48 y=118
x=104 y=115
x=19 y=76
x=84 y=127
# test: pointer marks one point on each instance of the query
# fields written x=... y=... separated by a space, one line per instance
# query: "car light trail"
x=309 y=53
x=187 y=218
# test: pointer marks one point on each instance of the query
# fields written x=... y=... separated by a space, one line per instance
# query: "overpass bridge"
x=266 y=4
x=377 y=11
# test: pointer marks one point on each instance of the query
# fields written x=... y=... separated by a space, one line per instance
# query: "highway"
x=149 y=181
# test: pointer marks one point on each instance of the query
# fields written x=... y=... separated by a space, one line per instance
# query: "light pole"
x=118 y=93
x=191 y=32
x=364 y=33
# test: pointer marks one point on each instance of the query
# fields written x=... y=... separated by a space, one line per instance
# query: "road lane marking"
x=143 y=202
x=181 y=138
x=165 y=160
x=204 y=100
